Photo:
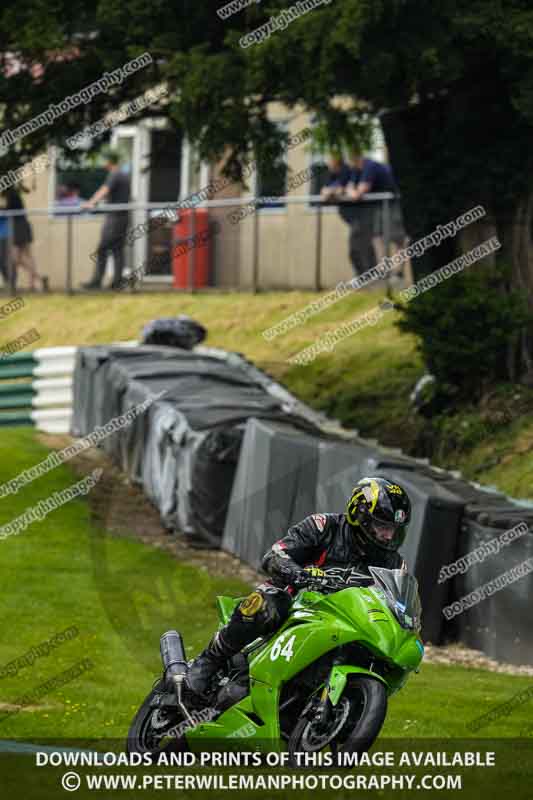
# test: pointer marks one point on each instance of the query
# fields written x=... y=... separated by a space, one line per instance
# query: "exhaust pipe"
x=175 y=666
x=173 y=654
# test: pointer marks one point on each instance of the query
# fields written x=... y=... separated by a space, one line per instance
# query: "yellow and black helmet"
x=381 y=511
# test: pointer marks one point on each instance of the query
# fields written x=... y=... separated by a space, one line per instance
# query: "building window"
x=271 y=176
x=75 y=180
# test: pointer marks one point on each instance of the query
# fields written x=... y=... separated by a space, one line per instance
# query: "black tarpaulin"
x=498 y=619
x=90 y=382
x=185 y=447
x=227 y=454
x=274 y=487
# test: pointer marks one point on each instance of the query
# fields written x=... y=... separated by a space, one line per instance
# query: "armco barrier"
x=42 y=393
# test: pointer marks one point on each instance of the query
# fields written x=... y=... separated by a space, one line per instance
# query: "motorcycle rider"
x=369 y=533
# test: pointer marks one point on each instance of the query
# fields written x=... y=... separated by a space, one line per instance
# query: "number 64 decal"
x=280 y=650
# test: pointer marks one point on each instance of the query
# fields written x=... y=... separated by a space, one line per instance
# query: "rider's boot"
x=201 y=670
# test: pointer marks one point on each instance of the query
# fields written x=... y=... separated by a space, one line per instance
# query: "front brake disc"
x=313 y=740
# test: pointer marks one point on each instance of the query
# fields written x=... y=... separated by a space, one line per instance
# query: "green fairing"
x=318 y=623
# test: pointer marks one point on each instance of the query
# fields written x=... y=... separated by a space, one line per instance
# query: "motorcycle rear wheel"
x=145 y=733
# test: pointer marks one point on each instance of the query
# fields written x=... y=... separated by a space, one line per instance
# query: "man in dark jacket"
x=371 y=177
x=115 y=191
x=337 y=178
x=368 y=534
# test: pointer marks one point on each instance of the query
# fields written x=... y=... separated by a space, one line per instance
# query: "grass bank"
x=364 y=382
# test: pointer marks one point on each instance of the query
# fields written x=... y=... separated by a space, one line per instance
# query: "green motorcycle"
x=322 y=680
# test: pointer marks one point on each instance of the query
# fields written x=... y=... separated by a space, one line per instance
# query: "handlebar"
x=328 y=583
x=316 y=584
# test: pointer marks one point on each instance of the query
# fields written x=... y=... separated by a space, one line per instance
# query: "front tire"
x=355 y=724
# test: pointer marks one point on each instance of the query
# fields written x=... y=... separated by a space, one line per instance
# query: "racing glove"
x=312 y=579
x=315 y=572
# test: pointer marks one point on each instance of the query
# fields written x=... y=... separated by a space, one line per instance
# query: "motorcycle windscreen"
x=401 y=592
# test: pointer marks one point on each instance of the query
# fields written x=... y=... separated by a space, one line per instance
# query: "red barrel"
x=190 y=249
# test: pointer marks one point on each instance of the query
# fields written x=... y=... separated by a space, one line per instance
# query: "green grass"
x=121 y=595
x=364 y=382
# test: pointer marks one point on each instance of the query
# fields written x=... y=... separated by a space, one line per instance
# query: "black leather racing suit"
x=320 y=540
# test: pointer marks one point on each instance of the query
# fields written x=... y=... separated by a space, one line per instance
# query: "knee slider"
x=252 y=605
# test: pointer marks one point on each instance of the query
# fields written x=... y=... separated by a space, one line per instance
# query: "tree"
x=454 y=81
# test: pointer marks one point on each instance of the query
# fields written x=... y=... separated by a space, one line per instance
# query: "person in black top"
x=367 y=175
x=337 y=178
x=22 y=238
x=371 y=177
x=116 y=189
x=369 y=533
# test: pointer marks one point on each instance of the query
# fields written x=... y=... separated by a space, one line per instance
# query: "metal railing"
x=382 y=206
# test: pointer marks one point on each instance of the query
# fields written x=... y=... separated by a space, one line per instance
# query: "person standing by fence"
x=369 y=176
x=22 y=234
x=115 y=190
x=337 y=178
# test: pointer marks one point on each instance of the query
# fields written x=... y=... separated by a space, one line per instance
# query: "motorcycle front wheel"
x=354 y=723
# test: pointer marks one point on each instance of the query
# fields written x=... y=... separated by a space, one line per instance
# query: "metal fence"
x=253 y=243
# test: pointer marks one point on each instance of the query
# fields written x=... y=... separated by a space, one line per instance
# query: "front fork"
x=336 y=683
x=321 y=709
